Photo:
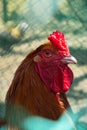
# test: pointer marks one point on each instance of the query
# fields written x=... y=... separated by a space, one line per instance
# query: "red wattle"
x=68 y=78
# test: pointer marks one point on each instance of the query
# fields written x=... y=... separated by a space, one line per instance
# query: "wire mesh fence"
x=25 y=24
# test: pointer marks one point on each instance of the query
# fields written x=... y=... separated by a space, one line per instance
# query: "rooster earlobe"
x=37 y=58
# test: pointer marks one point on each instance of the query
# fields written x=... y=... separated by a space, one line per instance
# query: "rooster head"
x=51 y=63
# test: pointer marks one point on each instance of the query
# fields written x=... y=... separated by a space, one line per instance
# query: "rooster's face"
x=51 y=63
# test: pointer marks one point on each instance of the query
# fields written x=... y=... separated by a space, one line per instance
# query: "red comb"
x=57 y=38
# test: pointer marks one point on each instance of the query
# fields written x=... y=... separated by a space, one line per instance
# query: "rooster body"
x=41 y=80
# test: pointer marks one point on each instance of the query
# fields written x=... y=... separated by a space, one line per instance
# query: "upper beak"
x=69 y=60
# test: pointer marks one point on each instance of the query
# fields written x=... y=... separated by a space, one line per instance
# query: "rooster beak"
x=69 y=60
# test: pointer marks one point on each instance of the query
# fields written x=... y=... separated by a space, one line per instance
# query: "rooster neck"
x=62 y=100
x=30 y=92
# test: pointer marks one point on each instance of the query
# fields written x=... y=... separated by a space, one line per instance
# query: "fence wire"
x=25 y=24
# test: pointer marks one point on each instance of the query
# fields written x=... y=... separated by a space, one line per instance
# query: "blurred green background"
x=25 y=24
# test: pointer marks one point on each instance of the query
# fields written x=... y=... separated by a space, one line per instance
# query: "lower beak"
x=69 y=60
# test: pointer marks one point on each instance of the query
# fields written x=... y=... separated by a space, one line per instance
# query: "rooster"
x=41 y=80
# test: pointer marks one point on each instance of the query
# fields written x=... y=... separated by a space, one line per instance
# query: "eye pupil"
x=47 y=53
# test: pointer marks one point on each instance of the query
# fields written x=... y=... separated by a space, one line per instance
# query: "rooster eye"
x=48 y=53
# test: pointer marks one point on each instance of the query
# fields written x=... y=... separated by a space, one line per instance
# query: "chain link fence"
x=25 y=24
